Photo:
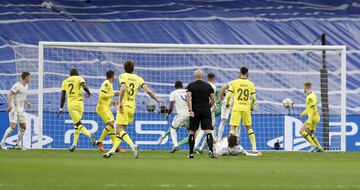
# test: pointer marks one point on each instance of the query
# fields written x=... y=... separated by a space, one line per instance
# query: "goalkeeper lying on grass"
x=229 y=147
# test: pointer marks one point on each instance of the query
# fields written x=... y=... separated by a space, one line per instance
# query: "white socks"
x=221 y=130
x=20 y=136
x=198 y=138
x=174 y=136
x=6 y=134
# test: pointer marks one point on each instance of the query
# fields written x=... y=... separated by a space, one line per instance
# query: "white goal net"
x=277 y=71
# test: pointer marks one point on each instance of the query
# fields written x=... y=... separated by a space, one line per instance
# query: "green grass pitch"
x=87 y=170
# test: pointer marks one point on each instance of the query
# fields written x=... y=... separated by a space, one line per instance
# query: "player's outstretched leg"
x=76 y=138
x=221 y=129
x=199 y=136
x=84 y=131
x=162 y=137
x=6 y=135
x=307 y=137
x=181 y=143
x=122 y=135
x=316 y=141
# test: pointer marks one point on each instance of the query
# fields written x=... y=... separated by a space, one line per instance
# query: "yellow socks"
x=108 y=130
x=315 y=140
x=308 y=138
x=84 y=131
x=125 y=137
x=76 y=135
x=252 y=138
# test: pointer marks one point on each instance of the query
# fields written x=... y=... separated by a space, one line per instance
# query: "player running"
x=229 y=147
x=17 y=101
x=71 y=87
x=177 y=99
x=104 y=112
x=244 y=94
x=307 y=131
x=130 y=84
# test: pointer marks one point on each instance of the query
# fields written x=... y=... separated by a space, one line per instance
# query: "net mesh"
x=276 y=75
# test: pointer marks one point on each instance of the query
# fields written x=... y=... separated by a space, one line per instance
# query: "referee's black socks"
x=209 y=141
x=191 y=143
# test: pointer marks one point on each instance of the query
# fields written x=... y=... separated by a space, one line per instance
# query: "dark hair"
x=178 y=84
x=24 y=75
x=129 y=66
x=211 y=76
x=74 y=72
x=110 y=74
x=232 y=140
x=244 y=70
x=307 y=84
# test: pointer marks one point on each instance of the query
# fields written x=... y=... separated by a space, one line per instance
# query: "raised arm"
x=151 y=93
x=224 y=88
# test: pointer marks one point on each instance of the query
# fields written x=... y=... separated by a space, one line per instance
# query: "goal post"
x=278 y=72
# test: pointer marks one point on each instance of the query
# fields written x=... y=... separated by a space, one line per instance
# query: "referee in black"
x=200 y=98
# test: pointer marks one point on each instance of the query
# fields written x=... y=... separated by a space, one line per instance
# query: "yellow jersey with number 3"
x=243 y=90
x=133 y=82
x=106 y=93
x=72 y=86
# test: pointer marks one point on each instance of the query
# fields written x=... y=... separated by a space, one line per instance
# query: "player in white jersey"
x=200 y=134
x=177 y=99
x=225 y=112
x=17 y=101
x=229 y=147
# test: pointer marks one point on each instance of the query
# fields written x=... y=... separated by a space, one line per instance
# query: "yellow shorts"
x=76 y=109
x=312 y=123
x=237 y=116
x=105 y=113
x=126 y=117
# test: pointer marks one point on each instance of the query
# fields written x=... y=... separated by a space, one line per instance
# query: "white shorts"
x=180 y=121
x=225 y=112
x=16 y=117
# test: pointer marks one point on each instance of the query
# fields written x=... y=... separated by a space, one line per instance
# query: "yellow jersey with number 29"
x=72 y=86
x=243 y=90
x=133 y=82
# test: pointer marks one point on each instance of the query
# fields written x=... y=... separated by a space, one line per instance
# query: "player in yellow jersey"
x=103 y=109
x=130 y=84
x=71 y=87
x=313 y=119
x=244 y=94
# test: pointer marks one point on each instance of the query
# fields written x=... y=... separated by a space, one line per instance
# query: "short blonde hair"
x=198 y=73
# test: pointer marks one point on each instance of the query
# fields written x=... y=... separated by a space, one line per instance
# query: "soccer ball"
x=287 y=102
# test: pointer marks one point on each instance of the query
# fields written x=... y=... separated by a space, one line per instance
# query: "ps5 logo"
x=31 y=136
x=293 y=141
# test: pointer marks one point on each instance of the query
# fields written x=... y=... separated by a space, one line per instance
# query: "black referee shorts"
x=203 y=117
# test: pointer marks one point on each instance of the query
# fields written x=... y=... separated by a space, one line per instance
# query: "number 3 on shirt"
x=132 y=90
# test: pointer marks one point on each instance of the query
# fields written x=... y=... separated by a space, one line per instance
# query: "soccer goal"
x=278 y=72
